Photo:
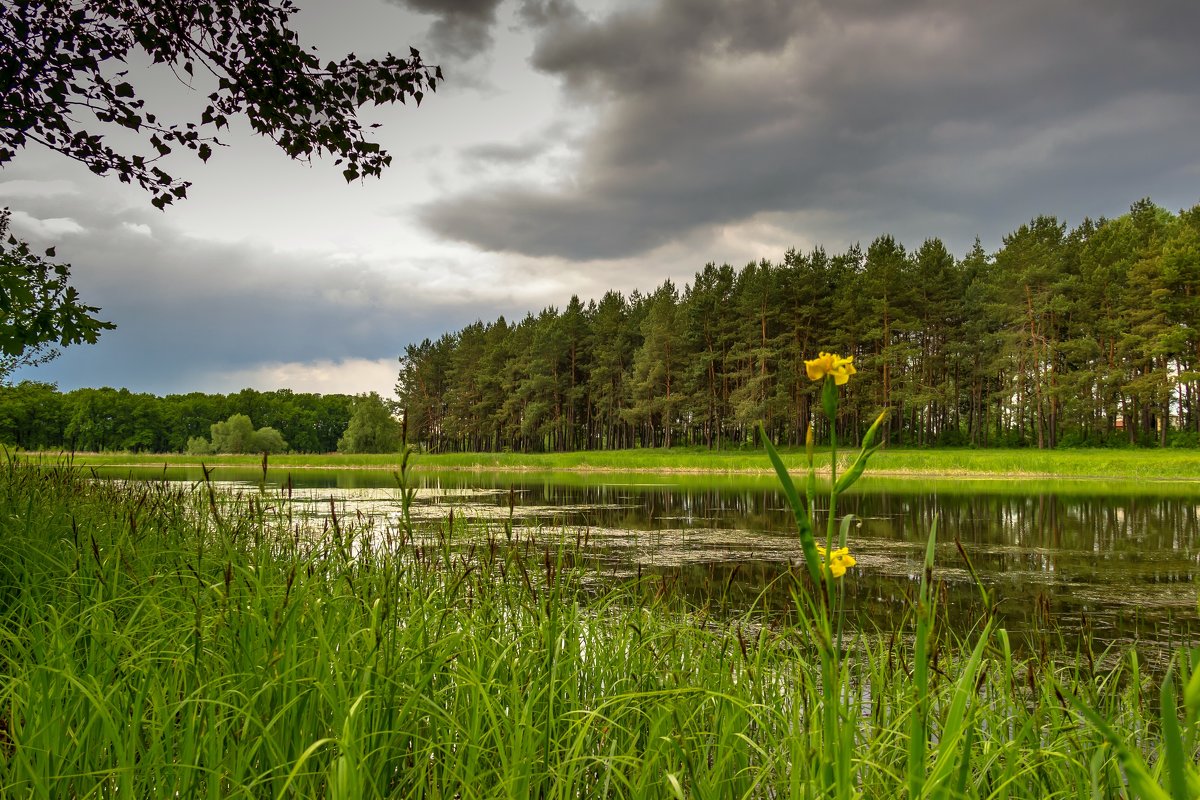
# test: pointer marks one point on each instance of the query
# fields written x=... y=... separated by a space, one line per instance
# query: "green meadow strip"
x=1168 y=464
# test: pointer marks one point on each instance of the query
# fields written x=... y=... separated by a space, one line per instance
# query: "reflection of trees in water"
x=1074 y=538
x=1125 y=564
x=1106 y=527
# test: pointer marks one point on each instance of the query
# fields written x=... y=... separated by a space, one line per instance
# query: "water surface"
x=1117 y=560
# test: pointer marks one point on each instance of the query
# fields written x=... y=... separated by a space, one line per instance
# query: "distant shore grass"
x=896 y=462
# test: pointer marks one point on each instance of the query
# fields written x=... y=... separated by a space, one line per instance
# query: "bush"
x=199 y=446
x=1184 y=439
x=267 y=440
x=233 y=435
x=952 y=437
x=237 y=435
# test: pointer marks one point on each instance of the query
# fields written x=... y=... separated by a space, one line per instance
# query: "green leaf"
x=918 y=736
x=803 y=523
x=1173 y=741
x=955 y=725
x=851 y=475
x=829 y=399
x=1191 y=693
x=844 y=535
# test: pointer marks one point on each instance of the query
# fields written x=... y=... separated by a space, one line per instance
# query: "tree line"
x=1062 y=337
x=36 y=416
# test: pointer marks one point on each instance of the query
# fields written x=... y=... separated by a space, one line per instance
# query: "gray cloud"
x=543 y=13
x=504 y=152
x=885 y=115
x=525 y=151
x=463 y=28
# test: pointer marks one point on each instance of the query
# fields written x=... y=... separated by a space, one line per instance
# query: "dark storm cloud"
x=186 y=306
x=887 y=115
x=463 y=28
x=542 y=13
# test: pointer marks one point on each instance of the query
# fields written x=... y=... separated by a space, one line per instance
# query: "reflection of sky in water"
x=1123 y=557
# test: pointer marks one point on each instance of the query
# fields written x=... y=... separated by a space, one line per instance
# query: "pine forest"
x=1063 y=337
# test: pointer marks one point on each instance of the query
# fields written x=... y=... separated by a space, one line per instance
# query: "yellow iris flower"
x=836 y=562
x=830 y=364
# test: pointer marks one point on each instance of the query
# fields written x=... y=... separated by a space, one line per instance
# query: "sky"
x=578 y=146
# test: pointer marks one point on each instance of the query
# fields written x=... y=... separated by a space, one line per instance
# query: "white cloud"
x=138 y=228
x=347 y=376
x=46 y=228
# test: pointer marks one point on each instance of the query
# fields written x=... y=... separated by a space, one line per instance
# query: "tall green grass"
x=156 y=642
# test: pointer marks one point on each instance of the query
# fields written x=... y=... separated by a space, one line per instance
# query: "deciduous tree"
x=372 y=428
x=39 y=309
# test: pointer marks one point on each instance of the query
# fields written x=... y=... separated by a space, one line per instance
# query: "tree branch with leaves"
x=62 y=78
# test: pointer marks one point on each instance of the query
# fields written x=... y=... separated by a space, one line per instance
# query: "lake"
x=1113 y=560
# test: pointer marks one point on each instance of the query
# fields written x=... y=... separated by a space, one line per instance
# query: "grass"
x=158 y=642
x=1022 y=463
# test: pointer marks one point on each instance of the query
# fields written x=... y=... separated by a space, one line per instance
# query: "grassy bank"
x=1157 y=464
x=158 y=643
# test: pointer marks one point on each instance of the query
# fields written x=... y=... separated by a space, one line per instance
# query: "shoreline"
x=98 y=461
